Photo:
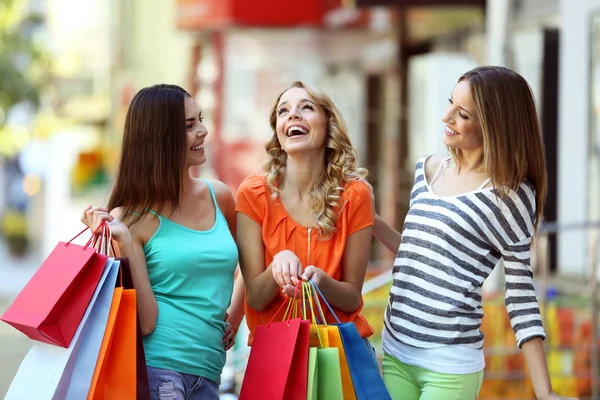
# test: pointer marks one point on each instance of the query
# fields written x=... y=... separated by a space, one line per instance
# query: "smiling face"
x=462 y=130
x=195 y=133
x=301 y=124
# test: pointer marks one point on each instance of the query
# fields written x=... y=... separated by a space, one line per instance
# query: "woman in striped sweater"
x=467 y=211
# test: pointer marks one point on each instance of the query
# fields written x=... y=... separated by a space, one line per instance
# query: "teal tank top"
x=191 y=273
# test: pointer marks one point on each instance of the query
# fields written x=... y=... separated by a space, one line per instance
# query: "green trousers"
x=407 y=382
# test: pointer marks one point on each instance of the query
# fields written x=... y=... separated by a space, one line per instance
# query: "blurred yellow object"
x=14 y=223
x=560 y=367
x=13 y=139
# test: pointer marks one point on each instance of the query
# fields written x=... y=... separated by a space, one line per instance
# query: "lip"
x=298 y=126
x=450 y=132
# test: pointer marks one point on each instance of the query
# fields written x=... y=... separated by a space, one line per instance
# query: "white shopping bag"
x=46 y=372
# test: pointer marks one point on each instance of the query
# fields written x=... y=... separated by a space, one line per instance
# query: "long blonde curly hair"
x=340 y=163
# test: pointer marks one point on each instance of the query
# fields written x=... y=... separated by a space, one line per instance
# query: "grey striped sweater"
x=449 y=247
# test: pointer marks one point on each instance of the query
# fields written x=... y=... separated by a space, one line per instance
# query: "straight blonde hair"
x=513 y=149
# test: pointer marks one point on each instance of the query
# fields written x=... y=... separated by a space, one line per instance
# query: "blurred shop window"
x=89 y=172
x=594 y=135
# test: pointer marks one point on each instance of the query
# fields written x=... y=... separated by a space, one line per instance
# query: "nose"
x=293 y=114
x=448 y=118
x=202 y=131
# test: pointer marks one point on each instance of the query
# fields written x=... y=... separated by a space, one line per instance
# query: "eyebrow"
x=466 y=111
x=462 y=108
x=193 y=118
x=301 y=101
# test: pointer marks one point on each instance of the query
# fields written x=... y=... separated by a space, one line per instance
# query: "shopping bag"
x=335 y=340
x=115 y=371
x=278 y=363
x=366 y=378
x=46 y=370
x=328 y=373
x=313 y=377
x=324 y=377
x=51 y=305
x=331 y=339
x=318 y=336
x=142 y=386
x=89 y=351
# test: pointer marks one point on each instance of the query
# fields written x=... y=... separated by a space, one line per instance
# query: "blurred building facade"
x=389 y=65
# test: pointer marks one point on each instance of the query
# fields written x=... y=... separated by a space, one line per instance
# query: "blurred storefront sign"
x=210 y=14
x=401 y=3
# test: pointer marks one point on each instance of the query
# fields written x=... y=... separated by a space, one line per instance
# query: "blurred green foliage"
x=24 y=67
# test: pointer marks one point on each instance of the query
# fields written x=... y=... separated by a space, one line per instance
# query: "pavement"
x=15 y=272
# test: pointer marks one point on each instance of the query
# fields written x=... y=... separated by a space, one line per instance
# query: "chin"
x=196 y=163
x=448 y=141
x=292 y=150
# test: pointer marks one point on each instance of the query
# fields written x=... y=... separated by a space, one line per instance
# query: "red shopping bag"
x=278 y=364
x=51 y=305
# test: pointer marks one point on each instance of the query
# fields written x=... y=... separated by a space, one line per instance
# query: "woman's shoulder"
x=356 y=188
x=223 y=193
x=254 y=181
x=430 y=163
x=219 y=188
x=521 y=193
x=255 y=184
x=119 y=212
x=525 y=195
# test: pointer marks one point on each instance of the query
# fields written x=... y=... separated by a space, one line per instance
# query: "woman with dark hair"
x=467 y=211
x=178 y=233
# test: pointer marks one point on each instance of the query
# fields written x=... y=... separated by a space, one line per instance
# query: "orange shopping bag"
x=115 y=372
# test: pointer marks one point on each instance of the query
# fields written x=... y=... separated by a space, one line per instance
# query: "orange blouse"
x=281 y=232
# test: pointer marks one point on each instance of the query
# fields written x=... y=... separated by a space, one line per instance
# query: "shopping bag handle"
x=101 y=241
x=289 y=302
x=314 y=285
x=314 y=295
x=306 y=286
x=307 y=292
x=91 y=238
x=105 y=240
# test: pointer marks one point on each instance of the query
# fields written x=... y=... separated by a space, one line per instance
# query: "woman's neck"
x=188 y=180
x=472 y=161
x=301 y=175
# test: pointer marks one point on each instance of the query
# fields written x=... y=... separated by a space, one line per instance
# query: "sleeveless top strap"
x=439 y=170
x=212 y=194
x=484 y=184
x=150 y=211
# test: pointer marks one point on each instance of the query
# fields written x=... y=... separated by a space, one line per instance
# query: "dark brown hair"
x=513 y=150
x=151 y=168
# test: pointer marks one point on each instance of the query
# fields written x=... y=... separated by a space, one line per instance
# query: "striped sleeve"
x=419 y=185
x=518 y=226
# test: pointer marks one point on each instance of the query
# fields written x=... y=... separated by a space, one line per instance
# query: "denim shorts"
x=170 y=385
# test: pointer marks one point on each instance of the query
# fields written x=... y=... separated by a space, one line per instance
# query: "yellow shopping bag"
x=330 y=336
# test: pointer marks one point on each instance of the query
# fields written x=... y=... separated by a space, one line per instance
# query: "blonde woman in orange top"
x=307 y=217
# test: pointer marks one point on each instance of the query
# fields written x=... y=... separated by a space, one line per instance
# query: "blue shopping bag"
x=47 y=370
x=366 y=378
x=91 y=341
